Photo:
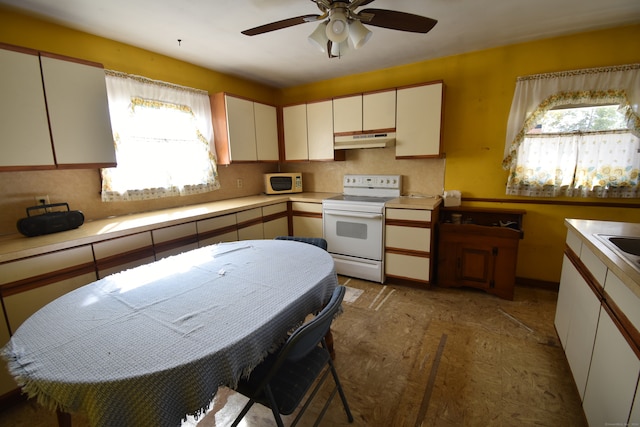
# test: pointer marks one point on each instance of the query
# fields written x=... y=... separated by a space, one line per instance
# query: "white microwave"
x=282 y=183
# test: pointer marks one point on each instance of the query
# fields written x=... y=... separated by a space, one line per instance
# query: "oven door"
x=351 y=233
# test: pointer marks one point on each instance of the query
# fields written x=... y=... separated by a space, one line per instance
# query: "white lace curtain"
x=164 y=140
x=534 y=96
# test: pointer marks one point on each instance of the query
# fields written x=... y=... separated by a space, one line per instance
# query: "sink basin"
x=628 y=247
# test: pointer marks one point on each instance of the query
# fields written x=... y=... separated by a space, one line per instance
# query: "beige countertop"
x=587 y=229
x=17 y=246
x=427 y=203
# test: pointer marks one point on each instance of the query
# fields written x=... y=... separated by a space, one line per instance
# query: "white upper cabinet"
x=244 y=130
x=308 y=131
x=379 y=110
x=419 y=120
x=347 y=114
x=73 y=101
x=320 y=130
x=370 y=111
x=78 y=112
x=294 y=118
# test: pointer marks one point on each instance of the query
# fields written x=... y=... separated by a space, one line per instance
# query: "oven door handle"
x=353 y=214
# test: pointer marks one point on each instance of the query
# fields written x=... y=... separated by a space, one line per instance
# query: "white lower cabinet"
x=613 y=377
x=307 y=219
x=115 y=255
x=217 y=230
x=408 y=244
x=174 y=240
x=275 y=222
x=581 y=308
x=7 y=383
x=250 y=224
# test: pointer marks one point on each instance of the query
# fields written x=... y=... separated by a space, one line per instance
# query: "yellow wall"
x=479 y=88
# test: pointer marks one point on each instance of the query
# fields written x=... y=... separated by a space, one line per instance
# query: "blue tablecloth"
x=152 y=344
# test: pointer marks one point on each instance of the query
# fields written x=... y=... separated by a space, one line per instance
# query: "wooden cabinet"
x=366 y=112
x=419 y=121
x=66 y=125
x=306 y=219
x=175 y=239
x=478 y=252
x=275 y=220
x=115 y=255
x=308 y=132
x=409 y=244
x=244 y=130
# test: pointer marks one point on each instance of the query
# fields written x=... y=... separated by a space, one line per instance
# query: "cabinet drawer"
x=407 y=266
x=123 y=253
x=593 y=263
x=627 y=301
x=417 y=239
x=219 y=229
x=274 y=209
x=306 y=207
x=49 y=263
x=175 y=239
x=574 y=242
x=408 y=214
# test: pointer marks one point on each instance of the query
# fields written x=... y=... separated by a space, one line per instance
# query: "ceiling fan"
x=342 y=27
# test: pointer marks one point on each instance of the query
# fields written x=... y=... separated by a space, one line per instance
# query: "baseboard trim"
x=535 y=283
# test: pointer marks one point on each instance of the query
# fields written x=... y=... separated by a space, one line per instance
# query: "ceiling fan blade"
x=278 y=25
x=395 y=20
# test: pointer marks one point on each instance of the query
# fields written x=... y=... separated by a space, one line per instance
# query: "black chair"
x=317 y=241
x=283 y=379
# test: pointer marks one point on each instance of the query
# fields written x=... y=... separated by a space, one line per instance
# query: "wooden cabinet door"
x=295 y=132
x=266 y=129
x=23 y=113
x=320 y=130
x=475 y=265
x=419 y=121
x=78 y=112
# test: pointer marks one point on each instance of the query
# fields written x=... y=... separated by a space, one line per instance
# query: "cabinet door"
x=7 y=383
x=275 y=221
x=241 y=129
x=31 y=283
x=320 y=130
x=78 y=112
x=219 y=229
x=174 y=240
x=120 y=254
x=347 y=114
x=569 y=278
x=379 y=110
x=295 y=132
x=23 y=115
x=307 y=219
x=266 y=125
x=613 y=376
x=582 y=324
x=418 y=121
x=250 y=224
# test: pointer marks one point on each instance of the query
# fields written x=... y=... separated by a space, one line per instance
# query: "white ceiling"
x=210 y=31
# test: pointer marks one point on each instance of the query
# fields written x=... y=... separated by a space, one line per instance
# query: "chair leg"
x=342 y=395
x=274 y=406
x=243 y=412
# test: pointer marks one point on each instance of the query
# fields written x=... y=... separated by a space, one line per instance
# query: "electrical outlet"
x=42 y=200
x=239 y=182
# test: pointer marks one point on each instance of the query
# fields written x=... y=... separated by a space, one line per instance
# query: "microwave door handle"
x=353 y=214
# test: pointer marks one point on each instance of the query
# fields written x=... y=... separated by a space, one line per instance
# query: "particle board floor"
x=415 y=357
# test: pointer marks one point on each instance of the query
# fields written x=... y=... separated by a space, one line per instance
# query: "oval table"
x=150 y=345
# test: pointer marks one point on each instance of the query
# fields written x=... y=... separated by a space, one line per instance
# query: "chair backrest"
x=309 y=335
x=317 y=241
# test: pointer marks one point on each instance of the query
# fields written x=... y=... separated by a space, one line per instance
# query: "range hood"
x=364 y=140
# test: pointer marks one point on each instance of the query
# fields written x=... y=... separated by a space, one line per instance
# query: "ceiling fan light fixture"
x=319 y=37
x=358 y=34
x=338 y=50
x=337 y=28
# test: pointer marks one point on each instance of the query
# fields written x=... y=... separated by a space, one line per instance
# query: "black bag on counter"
x=50 y=221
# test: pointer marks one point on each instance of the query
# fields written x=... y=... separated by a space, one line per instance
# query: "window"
x=163 y=137
x=575 y=134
